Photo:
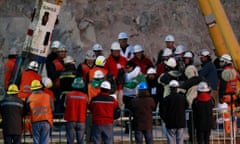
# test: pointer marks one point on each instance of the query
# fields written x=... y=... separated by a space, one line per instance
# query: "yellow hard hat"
x=36 y=84
x=13 y=89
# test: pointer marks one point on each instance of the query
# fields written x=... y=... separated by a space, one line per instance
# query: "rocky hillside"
x=85 y=22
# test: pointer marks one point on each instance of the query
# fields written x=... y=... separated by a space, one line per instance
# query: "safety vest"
x=85 y=70
x=231 y=86
x=40 y=107
x=26 y=79
x=58 y=68
x=92 y=92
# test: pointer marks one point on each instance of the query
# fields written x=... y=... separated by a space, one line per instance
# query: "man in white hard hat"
x=98 y=49
x=102 y=107
x=173 y=114
x=170 y=41
x=209 y=71
x=140 y=59
x=115 y=64
x=126 y=49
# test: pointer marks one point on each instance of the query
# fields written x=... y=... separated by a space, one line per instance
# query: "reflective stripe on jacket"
x=40 y=107
x=76 y=106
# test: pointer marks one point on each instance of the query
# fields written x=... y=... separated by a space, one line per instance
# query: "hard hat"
x=137 y=48
x=33 y=65
x=204 y=53
x=122 y=35
x=180 y=49
x=36 y=85
x=12 y=89
x=56 y=44
x=167 y=52
x=115 y=46
x=173 y=83
x=100 y=61
x=106 y=85
x=98 y=74
x=62 y=48
x=13 y=51
x=90 y=55
x=203 y=87
x=226 y=58
x=47 y=82
x=151 y=71
x=97 y=47
x=142 y=86
x=188 y=55
x=169 y=38
x=171 y=62
x=78 y=83
x=69 y=59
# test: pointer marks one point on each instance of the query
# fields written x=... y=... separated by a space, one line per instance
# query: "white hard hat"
x=171 y=62
x=204 y=53
x=151 y=71
x=226 y=58
x=69 y=59
x=188 y=55
x=90 y=55
x=33 y=65
x=47 y=82
x=137 y=48
x=98 y=74
x=115 y=46
x=56 y=44
x=13 y=51
x=169 y=38
x=180 y=49
x=62 y=48
x=122 y=35
x=100 y=61
x=167 y=52
x=173 y=83
x=203 y=87
x=97 y=47
x=106 y=85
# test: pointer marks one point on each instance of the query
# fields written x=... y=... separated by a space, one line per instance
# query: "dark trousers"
x=12 y=139
x=203 y=137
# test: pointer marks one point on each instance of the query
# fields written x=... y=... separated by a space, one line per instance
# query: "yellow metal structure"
x=224 y=34
x=213 y=28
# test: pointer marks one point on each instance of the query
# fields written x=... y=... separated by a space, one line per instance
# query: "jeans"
x=102 y=133
x=175 y=136
x=75 y=129
x=12 y=139
x=41 y=131
x=147 y=135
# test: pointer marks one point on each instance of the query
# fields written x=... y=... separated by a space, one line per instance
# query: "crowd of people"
x=126 y=79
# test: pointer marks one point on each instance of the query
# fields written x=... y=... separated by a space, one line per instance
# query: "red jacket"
x=111 y=65
x=76 y=106
x=8 y=69
x=26 y=79
x=144 y=63
x=102 y=108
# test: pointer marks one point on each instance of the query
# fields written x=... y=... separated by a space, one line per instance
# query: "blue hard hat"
x=142 y=86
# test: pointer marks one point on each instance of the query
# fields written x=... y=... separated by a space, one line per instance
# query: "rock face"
x=85 y=22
